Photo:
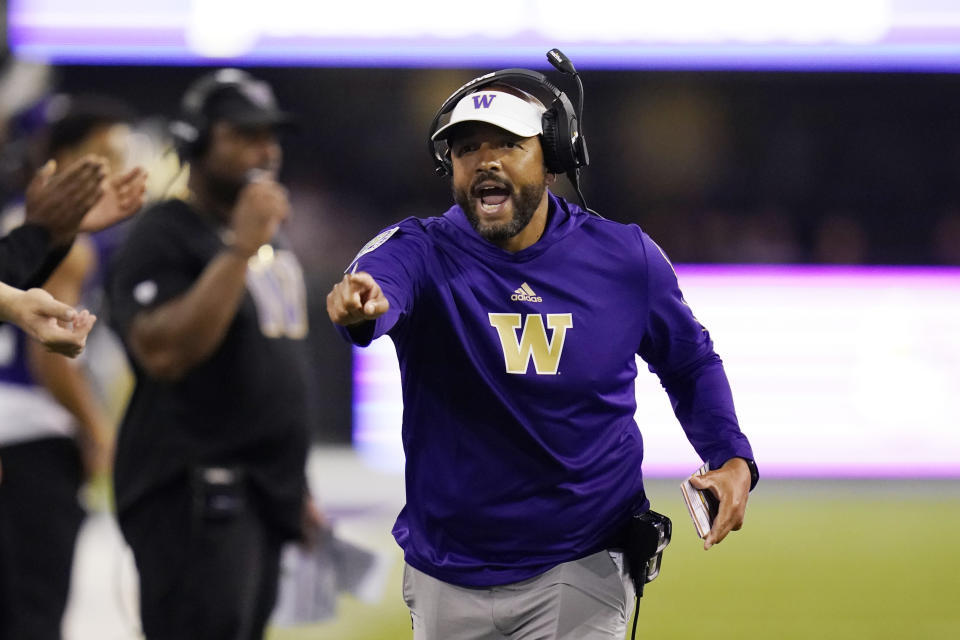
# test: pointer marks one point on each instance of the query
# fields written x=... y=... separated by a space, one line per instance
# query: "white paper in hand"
x=702 y=505
x=312 y=579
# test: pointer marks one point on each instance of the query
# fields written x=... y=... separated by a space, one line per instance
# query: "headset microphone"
x=562 y=63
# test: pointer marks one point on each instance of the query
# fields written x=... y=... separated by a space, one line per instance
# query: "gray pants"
x=587 y=599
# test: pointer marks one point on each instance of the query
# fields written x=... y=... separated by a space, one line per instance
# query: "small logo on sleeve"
x=524 y=293
x=370 y=246
x=145 y=292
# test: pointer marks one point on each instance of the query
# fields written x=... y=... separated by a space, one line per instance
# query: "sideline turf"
x=817 y=559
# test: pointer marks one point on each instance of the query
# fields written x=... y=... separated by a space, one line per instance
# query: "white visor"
x=500 y=109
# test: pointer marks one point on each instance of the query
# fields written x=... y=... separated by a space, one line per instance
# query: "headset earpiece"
x=184 y=136
x=550 y=142
x=561 y=132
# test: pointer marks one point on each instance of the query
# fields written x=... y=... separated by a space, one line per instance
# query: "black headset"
x=191 y=131
x=564 y=147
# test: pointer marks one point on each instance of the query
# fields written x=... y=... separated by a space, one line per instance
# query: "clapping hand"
x=123 y=196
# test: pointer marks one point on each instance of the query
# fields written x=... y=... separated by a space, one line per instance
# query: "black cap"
x=247 y=105
x=234 y=96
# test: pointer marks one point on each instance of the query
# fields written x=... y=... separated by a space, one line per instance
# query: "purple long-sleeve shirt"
x=518 y=387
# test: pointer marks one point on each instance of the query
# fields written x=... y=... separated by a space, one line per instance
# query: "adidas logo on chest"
x=524 y=293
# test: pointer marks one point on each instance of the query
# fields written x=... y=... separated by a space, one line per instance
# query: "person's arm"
x=679 y=350
x=313 y=522
x=55 y=205
x=65 y=381
x=27 y=256
x=59 y=327
x=379 y=290
x=172 y=338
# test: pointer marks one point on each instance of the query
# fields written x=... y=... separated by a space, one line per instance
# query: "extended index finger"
x=344 y=303
x=362 y=281
x=350 y=293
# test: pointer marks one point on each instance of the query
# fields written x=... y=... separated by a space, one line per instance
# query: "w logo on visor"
x=483 y=101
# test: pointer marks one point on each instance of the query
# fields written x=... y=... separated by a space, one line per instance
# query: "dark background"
x=670 y=150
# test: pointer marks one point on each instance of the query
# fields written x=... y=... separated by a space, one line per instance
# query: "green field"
x=816 y=559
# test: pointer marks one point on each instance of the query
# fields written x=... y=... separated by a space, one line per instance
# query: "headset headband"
x=564 y=148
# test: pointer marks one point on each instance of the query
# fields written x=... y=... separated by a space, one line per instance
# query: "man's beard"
x=224 y=189
x=525 y=200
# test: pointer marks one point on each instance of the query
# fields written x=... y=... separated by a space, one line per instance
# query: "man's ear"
x=551 y=178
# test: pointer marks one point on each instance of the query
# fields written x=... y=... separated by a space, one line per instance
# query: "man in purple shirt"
x=517 y=317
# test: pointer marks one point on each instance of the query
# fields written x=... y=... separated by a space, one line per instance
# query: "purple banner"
x=919 y=35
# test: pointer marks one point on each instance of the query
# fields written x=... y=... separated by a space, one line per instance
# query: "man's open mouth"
x=491 y=197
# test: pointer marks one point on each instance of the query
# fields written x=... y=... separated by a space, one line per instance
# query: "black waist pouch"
x=644 y=539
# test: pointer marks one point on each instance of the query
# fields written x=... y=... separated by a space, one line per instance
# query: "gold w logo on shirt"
x=533 y=341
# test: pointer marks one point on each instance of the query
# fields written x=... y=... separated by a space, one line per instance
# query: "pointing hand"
x=357 y=298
